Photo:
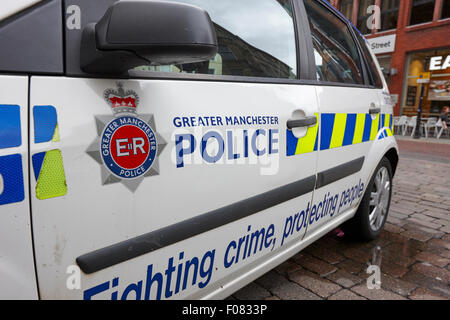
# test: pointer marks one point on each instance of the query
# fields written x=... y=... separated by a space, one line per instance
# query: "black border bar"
x=337 y=173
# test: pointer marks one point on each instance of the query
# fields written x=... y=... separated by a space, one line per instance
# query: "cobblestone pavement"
x=413 y=251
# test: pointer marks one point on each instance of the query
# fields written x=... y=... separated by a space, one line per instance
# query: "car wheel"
x=372 y=212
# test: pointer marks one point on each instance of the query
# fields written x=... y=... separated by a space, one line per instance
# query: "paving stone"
x=393 y=269
x=345 y=295
x=325 y=254
x=439 y=243
x=271 y=280
x=393 y=237
x=320 y=267
x=344 y=278
x=394 y=220
x=393 y=228
x=288 y=267
x=358 y=255
x=445 y=254
x=418 y=235
x=395 y=285
x=437 y=213
x=433 y=259
x=437 y=205
x=420 y=216
x=424 y=281
x=425 y=294
x=431 y=225
x=397 y=215
x=252 y=292
x=376 y=294
x=318 y=285
x=434 y=233
x=443 y=222
x=429 y=270
x=396 y=257
x=292 y=291
x=352 y=266
x=272 y=298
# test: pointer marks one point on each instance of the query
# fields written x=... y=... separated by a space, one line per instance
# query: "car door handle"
x=374 y=111
x=298 y=123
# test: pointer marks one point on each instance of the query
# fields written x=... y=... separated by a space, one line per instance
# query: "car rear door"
x=350 y=117
x=175 y=184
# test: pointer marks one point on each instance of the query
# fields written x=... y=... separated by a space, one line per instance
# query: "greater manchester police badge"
x=127 y=146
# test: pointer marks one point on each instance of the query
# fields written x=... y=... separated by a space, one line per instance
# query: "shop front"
x=436 y=91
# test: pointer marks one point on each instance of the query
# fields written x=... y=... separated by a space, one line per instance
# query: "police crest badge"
x=127 y=146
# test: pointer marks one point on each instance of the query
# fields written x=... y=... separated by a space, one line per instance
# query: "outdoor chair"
x=430 y=124
x=411 y=124
x=401 y=125
x=439 y=129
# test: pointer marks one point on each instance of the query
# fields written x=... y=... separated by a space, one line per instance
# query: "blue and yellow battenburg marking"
x=11 y=170
x=339 y=130
x=48 y=166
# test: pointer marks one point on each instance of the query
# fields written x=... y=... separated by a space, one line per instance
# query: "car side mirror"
x=135 y=33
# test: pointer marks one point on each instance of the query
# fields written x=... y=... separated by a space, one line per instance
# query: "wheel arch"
x=392 y=156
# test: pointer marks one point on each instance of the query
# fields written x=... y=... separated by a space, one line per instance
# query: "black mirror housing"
x=134 y=33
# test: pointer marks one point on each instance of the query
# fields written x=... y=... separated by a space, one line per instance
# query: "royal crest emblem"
x=127 y=146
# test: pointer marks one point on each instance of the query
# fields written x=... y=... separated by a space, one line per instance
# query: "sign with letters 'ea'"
x=384 y=44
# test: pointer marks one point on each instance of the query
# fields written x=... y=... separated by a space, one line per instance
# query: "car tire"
x=369 y=220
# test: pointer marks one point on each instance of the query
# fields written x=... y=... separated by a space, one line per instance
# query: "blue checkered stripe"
x=11 y=171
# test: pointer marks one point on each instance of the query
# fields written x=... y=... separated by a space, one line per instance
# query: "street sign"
x=424 y=77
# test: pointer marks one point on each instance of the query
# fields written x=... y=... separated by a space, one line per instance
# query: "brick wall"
x=422 y=37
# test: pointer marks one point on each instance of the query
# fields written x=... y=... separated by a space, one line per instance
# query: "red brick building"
x=409 y=37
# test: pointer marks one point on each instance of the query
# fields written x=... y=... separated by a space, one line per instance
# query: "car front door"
x=182 y=181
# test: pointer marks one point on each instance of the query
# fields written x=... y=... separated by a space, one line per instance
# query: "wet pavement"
x=413 y=251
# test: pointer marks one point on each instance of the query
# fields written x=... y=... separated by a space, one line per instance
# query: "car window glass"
x=256 y=38
x=335 y=51
x=371 y=66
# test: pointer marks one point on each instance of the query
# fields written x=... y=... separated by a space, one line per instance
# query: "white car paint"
x=93 y=215
x=17 y=274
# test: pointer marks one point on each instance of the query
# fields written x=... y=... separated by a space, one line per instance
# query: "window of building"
x=346 y=8
x=421 y=11
x=385 y=65
x=256 y=38
x=365 y=16
x=336 y=53
x=445 y=10
x=389 y=14
x=437 y=91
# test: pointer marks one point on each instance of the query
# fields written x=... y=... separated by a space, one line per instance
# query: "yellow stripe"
x=386 y=120
x=56 y=134
x=359 y=128
x=374 y=129
x=337 y=138
x=307 y=143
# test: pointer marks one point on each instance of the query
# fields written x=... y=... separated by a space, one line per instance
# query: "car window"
x=256 y=38
x=371 y=66
x=335 y=51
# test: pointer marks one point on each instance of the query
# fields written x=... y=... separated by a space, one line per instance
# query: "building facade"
x=410 y=39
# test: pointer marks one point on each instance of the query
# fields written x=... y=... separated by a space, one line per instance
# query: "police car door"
x=349 y=118
x=182 y=181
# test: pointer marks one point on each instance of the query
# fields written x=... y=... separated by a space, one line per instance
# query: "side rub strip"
x=132 y=248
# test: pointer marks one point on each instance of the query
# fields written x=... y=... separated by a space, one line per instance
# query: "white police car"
x=149 y=153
